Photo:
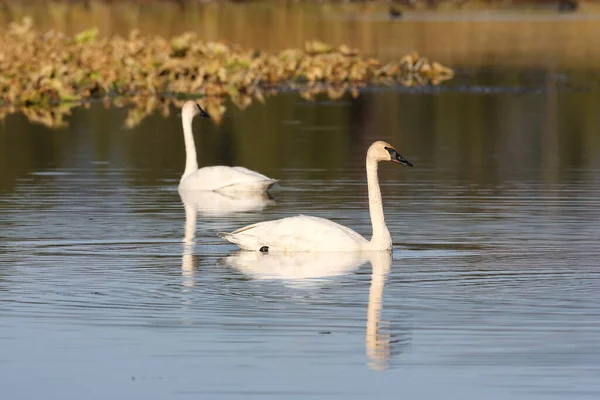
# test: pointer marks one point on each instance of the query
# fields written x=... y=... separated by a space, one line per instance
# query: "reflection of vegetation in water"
x=148 y=72
x=485 y=139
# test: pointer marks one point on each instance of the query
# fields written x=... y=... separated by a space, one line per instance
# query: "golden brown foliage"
x=38 y=72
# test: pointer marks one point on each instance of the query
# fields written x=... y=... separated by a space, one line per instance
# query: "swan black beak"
x=397 y=158
x=202 y=112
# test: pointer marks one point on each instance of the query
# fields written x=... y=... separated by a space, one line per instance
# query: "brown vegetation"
x=44 y=75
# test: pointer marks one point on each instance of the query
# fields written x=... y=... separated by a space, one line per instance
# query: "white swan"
x=304 y=233
x=216 y=178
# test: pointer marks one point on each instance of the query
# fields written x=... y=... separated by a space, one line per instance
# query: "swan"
x=312 y=234
x=217 y=178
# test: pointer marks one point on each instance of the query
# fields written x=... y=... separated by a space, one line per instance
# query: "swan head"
x=190 y=109
x=383 y=151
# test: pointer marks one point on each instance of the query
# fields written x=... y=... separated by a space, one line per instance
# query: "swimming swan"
x=217 y=178
x=304 y=233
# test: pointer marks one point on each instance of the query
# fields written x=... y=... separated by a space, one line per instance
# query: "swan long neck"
x=381 y=239
x=191 y=162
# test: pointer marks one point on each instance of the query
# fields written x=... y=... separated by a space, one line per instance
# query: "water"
x=113 y=286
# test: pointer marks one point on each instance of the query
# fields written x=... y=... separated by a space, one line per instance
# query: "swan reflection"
x=187 y=256
x=378 y=341
x=212 y=204
x=220 y=204
x=301 y=269
x=295 y=269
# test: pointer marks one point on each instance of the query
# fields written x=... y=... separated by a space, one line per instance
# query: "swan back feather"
x=226 y=179
x=299 y=233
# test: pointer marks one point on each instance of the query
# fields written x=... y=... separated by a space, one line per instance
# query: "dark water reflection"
x=108 y=281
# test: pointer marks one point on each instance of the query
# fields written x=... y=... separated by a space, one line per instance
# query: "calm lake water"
x=114 y=286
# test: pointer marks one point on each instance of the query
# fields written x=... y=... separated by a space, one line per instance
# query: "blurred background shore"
x=461 y=34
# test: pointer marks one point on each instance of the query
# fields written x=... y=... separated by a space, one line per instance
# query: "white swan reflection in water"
x=215 y=204
x=212 y=204
x=302 y=269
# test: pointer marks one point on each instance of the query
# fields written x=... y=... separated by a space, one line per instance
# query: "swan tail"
x=258 y=186
x=227 y=236
x=244 y=242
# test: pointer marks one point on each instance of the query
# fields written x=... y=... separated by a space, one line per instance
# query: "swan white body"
x=313 y=234
x=216 y=178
